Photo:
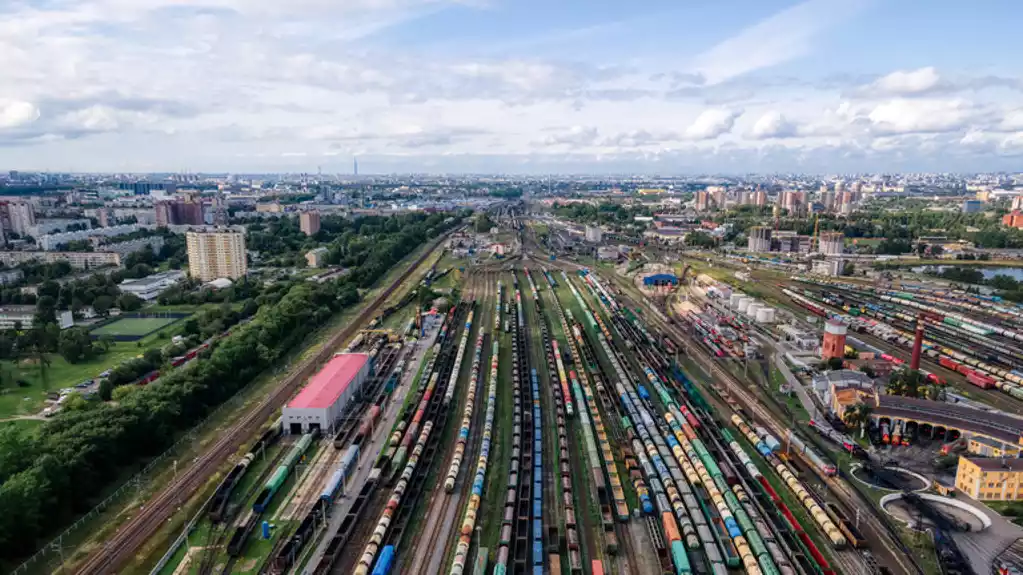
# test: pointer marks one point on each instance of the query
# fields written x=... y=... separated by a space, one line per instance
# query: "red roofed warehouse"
x=321 y=401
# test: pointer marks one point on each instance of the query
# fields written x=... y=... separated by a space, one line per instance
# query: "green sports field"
x=134 y=326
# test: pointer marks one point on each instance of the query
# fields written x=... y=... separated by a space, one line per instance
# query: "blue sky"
x=702 y=86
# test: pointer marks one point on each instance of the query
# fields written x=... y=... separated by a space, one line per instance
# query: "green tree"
x=102 y=304
x=129 y=302
x=106 y=389
x=858 y=416
x=835 y=363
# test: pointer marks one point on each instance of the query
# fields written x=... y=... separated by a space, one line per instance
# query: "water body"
x=987 y=271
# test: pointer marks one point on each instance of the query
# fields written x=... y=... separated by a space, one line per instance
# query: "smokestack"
x=918 y=342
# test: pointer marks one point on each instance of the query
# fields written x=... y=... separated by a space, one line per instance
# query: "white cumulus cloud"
x=904 y=116
x=712 y=123
x=14 y=113
x=909 y=82
x=772 y=125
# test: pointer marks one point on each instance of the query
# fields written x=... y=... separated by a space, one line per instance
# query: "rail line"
x=772 y=416
x=124 y=542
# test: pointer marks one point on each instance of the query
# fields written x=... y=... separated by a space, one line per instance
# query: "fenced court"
x=135 y=326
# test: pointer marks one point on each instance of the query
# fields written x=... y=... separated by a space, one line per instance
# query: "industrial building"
x=320 y=403
x=22 y=316
x=594 y=234
x=150 y=287
x=219 y=254
x=993 y=479
x=759 y=239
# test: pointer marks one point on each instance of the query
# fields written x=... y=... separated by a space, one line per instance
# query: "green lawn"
x=17 y=401
x=133 y=325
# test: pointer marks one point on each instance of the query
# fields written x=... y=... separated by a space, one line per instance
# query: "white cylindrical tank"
x=765 y=315
x=753 y=308
x=743 y=304
x=733 y=301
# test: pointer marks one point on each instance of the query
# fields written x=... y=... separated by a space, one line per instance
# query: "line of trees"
x=50 y=476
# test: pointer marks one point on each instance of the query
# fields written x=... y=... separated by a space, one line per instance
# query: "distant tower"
x=834 y=340
x=356 y=166
x=918 y=342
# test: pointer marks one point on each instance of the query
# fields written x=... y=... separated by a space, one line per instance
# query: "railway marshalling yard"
x=552 y=420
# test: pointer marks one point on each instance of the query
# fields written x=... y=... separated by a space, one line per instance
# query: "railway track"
x=124 y=542
x=435 y=543
x=774 y=418
x=433 y=414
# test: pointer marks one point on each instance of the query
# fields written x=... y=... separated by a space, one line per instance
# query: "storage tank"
x=743 y=304
x=734 y=300
x=752 y=309
x=765 y=315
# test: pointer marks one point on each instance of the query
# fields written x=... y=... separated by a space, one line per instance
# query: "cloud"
x=904 y=116
x=911 y=82
x=772 y=125
x=712 y=123
x=574 y=136
x=785 y=36
x=14 y=113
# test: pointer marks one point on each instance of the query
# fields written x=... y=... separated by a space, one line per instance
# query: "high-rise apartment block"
x=759 y=239
x=217 y=254
x=17 y=217
x=309 y=222
x=702 y=201
x=180 y=212
x=832 y=243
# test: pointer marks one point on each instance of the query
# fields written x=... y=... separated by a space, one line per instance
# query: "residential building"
x=972 y=206
x=185 y=211
x=23 y=315
x=316 y=258
x=150 y=287
x=126 y=247
x=759 y=239
x=8 y=277
x=760 y=198
x=216 y=254
x=17 y=217
x=990 y=479
x=46 y=227
x=271 y=208
x=703 y=200
x=103 y=215
x=719 y=199
x=52 y=242
x=1013 y=220
x=832 y=243
x=309 y=222
x=78 y=260
x=1017 y=203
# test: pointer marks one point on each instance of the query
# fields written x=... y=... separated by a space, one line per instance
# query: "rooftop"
x=330 y=382
x=996 y=463
x=845 y=378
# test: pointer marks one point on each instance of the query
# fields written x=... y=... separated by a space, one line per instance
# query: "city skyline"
x=477 y=86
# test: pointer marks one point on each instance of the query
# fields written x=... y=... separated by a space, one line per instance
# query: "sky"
x=511 y=86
